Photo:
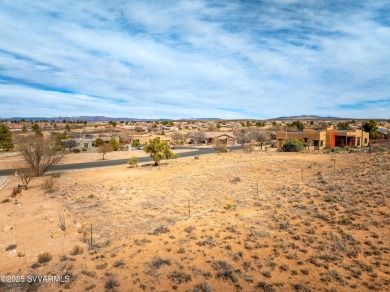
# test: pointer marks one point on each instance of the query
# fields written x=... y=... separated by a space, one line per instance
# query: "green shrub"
x=293 y=146
x=220 y=147
x=135 y=144
x=58 y=148
x=133 y=161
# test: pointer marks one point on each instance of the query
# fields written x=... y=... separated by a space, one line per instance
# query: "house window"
x=316 y=142
x=358 y=142
x=305 y=139
x=85 y=145
x=322 y=143
x=365 y=140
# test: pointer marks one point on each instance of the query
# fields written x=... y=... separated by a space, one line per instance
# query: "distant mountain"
x=201 y=119
x=78 y=118
x=308 y=117
x=95 y=119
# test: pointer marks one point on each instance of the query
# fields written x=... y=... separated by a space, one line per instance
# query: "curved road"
x=104 y=163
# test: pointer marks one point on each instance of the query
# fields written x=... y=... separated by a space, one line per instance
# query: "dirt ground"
x=225 y=222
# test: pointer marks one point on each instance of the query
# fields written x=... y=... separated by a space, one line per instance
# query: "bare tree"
x=176 y=137
x=24 y=173
x=38 y=152
x=235 y=126
x=70 y=143
x=260 y=136
x=198 y=137
x=244 y=137
x=139 y=129
x=211 y=126
x=220 y=147
x=104 y=149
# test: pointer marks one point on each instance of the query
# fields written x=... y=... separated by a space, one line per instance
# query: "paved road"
x=104 y=163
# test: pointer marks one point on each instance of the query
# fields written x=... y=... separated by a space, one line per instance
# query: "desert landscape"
x=236 y=221
x=194 y=146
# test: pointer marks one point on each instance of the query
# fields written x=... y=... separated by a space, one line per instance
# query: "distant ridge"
x=97 y=119
x=310 y=117
x=77 y=118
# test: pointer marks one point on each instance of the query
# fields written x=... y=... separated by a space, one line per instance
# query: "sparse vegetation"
x=293 y=146
x=111 y=283
x=133 y=161
x=11 y=247
x=254 y=225
x=220 y=147
x=49 y=185
x=77 y=250
x=38 y=152
x=104 y=149
x=44 y=257
x=159 y=150
x=158 y=262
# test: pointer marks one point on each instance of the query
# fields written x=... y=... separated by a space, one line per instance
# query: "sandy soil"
x=229 y=222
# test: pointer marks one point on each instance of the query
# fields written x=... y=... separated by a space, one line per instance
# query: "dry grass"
x=329 y=232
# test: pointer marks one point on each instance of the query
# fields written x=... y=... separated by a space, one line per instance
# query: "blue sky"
x=183 y=59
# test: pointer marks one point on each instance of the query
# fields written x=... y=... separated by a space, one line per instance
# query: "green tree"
x=371 y=126
x=159 y=150
x=36 y=129
x=99 y=142
x=135 y=144
x=67 y=128
x=5 y=138
x=343 y=125
x=114 y=144
x=298 y=124
x=24 y=129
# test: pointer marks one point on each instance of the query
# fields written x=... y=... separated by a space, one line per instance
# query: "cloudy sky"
x=184 y=59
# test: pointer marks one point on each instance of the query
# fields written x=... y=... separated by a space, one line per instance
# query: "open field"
x=229 y=222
